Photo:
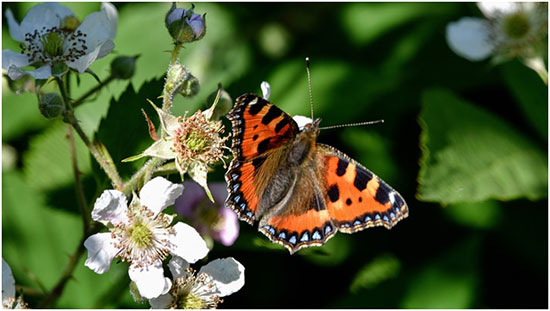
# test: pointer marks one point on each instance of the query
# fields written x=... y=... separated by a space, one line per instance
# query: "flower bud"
x=184 y=25
x=123 y=67
x=180 y=80
x=51 y=105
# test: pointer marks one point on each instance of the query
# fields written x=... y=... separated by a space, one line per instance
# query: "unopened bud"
x=51 y=105
x=123 y=67
x=180 y=80
x=184 y=25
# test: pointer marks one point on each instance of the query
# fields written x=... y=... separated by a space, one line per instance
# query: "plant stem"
x=109 y=169
x=78 y=182
x=176 y=53
x=96 y=88
x=145 y=170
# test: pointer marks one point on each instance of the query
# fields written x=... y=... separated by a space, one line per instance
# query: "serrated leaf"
x=47 y=163
x=124 y=130
x=470 y=155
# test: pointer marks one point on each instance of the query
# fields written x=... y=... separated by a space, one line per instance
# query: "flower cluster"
x=142 y=235
x=52 y=38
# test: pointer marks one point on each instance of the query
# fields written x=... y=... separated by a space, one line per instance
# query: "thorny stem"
x=67 y=274
x=110 y=170
x=176 y=52
x=78 y=182
x=96 y=88
x=166 y=95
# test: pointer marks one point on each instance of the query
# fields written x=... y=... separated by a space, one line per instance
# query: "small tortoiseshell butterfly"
x=300 y=191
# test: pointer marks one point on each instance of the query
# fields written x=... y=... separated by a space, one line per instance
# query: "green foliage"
x=531 y=95
x=47 y=163
x=124 y=130
x=381 y=268
x=479 y=149
x=470 y=155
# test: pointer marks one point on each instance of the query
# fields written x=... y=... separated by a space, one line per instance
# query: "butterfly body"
x=300 y=192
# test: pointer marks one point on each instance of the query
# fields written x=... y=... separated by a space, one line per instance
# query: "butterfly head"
x=312 y=127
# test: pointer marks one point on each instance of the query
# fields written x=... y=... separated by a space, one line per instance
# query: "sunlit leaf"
x=470 y=155
x=47 y=163
x=486 y=214
x=365 y=22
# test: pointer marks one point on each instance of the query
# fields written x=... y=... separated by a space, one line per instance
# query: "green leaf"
x=365 y=22
x=531 y=94
x=47 y=164
x=381 y=268
x=482 y=215
x=21 y=114
x=124 y=130
x=447 y=282
x=470 y=155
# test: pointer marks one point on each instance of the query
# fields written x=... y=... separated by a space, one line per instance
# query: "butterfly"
x=299 y=191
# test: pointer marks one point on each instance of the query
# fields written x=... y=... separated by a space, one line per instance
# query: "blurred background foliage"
x=464 y=143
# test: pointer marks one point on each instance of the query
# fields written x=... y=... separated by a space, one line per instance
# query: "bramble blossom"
x=52 y=38
x=509 y=29
x=142 y=235
x=202 y=290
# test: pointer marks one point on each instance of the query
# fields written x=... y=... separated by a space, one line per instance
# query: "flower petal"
x=302 y=121
x=230 y=228
x=111 y=207
x=159 y=193
x=8 y=282
x=266 y=89
x=112 y=17
x=470 y=38
x=149 y=279
x=11 y=58
x=162 y=148
x=192 y=194
x=493 y=9
x=228 y=275
x=198 y=172
x=177 y=266
x=49 y=14
x=97 y=28
x=106 y=48
x=15 y=29
x=101 y=252
x=161 y=302
x=83 y=62
x=187 y=243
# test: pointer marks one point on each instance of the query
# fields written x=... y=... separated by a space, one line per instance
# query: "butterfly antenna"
x=309 y=87
x=351 y=124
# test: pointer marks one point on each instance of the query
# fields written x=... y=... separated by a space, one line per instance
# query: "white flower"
x=202 y=290
x=50 y=34
x=193 y=142
x=8 y=289
x=509 y=29
x=143 y=236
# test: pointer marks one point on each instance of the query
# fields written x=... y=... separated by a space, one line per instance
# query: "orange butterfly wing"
x=356 y=198
x=259 y=127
